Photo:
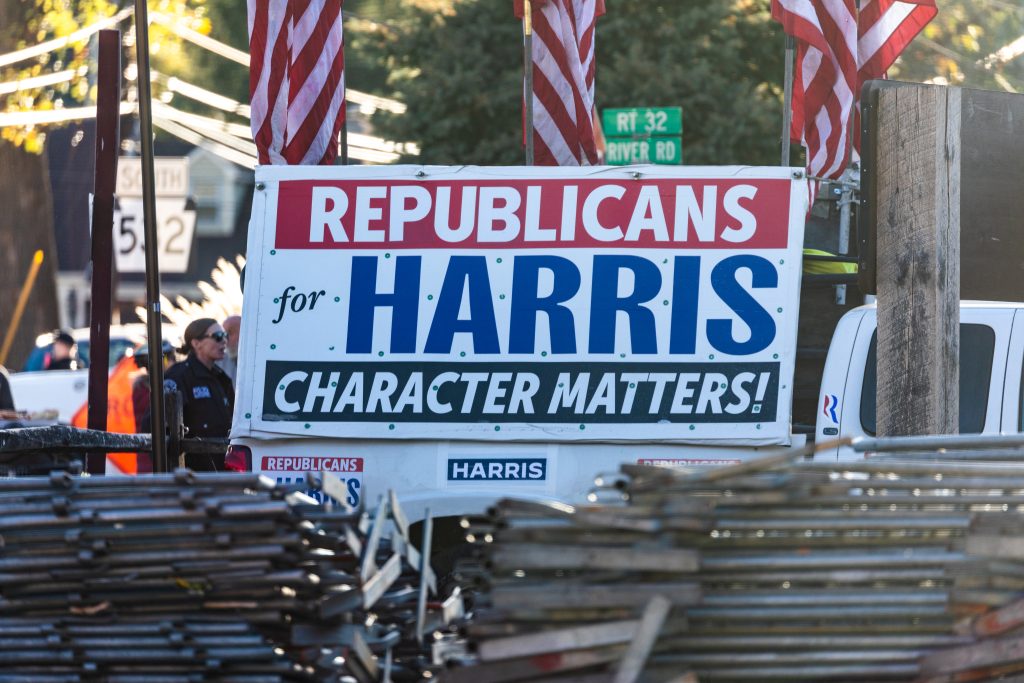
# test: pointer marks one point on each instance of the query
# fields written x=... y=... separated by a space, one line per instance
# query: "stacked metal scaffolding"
x=774 y=570
x=207 y=576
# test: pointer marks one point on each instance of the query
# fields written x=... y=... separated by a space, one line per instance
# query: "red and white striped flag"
x=563 y=80
x=824 y=79
x=296 y=79
x=884 y=29
x=837 y=50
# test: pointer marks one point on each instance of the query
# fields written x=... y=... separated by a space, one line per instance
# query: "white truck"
x=991 y=388
x=460 y=334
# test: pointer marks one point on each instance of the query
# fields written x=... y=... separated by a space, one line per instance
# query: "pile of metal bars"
x=191 y=577
x=899 y=567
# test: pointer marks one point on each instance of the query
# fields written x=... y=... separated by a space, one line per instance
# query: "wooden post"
x=108 y=139
x=917 y=156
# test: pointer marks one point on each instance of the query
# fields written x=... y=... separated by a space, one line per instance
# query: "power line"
x=1006 y=53
x=365 y=100
x=190 y=136
x=58 y=43
x=9 y=87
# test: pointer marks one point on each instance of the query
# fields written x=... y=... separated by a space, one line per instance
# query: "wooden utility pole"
x=108 y=139
x=915 y=198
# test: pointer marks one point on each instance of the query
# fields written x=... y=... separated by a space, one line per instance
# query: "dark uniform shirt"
x=6 y=399
x=62 y=364
x=207 y=395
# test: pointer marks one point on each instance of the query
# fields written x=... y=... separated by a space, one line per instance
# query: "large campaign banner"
x=545 y=304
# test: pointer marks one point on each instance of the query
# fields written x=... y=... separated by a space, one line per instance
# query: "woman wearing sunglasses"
x=207 y=395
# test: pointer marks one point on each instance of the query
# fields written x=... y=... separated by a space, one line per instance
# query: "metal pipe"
x=528 y=78
x=424 y=568
x=934 y=443
x=153 y=314
x=787 y=99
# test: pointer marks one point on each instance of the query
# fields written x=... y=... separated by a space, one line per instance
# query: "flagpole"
x=787 y=99
x=344 y=136
x=528 y=76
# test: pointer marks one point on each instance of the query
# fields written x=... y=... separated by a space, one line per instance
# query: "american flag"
x=563 y=80
x=838 y=49
x=885 y=28
x=296 y=79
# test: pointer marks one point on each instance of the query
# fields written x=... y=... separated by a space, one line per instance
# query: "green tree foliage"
x=457 y=64
x=961 y=46
x=721 y=61
x=228 y=23
x=38 y=21
x=461 y=76
x=33 y=23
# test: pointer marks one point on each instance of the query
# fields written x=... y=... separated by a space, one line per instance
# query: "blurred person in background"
x=6 y=397
x=207 y=394
x=141 y=404
x=233 y=326
x=62 y=355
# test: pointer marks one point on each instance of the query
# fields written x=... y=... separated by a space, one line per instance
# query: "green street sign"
x=660 y=150
x=642 y=121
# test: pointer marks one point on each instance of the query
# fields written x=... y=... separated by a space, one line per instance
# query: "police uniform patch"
x=170 y=385
x=201 y=392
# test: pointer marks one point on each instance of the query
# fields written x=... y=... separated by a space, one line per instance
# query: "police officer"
x=141 y=403
x=207 y=394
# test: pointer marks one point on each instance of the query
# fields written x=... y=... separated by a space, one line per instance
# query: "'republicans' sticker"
x=687 y=462
x=291 y=469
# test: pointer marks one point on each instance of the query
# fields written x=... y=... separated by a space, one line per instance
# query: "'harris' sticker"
x=497 y=469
